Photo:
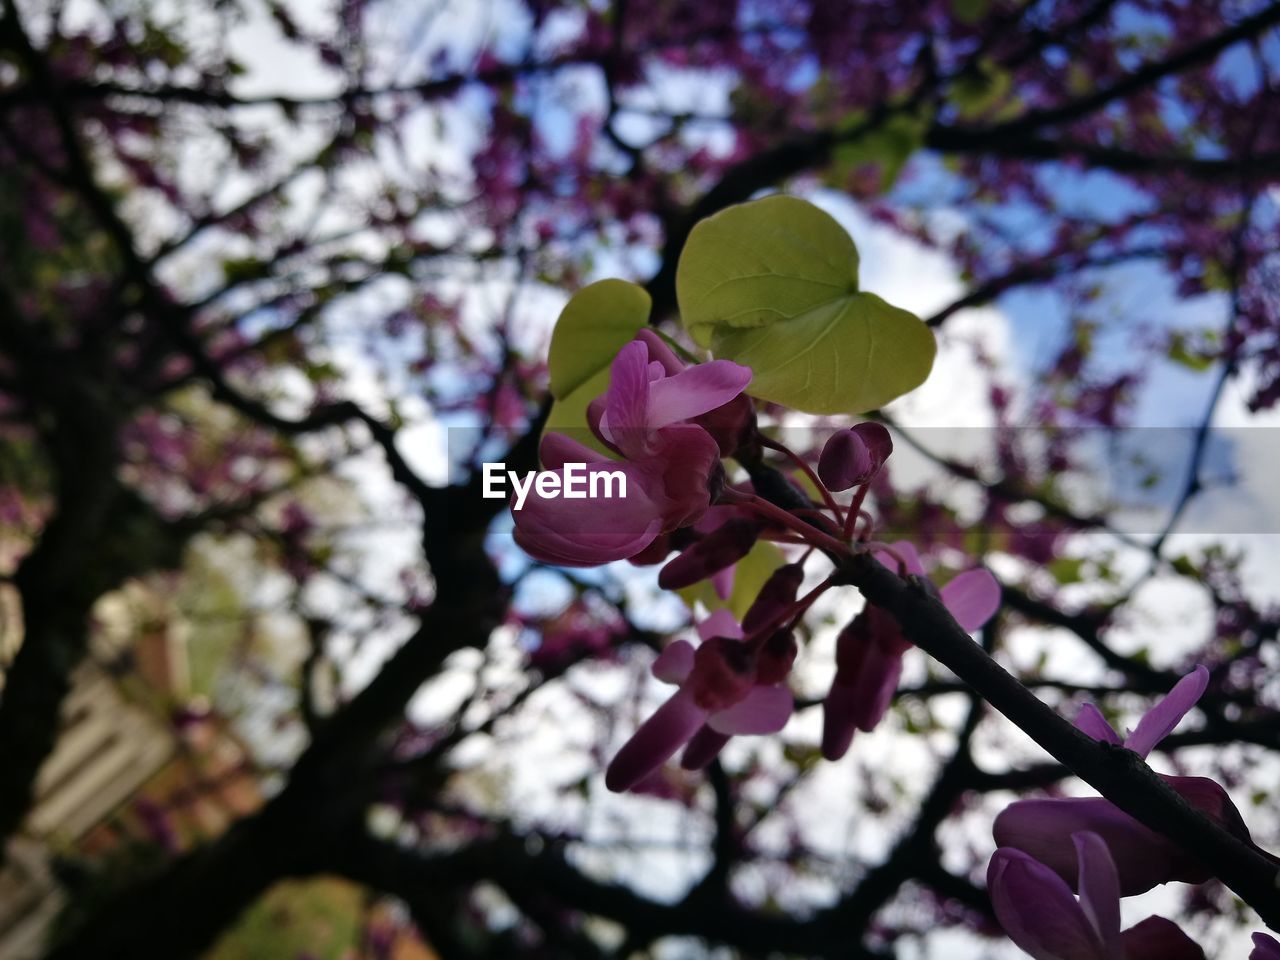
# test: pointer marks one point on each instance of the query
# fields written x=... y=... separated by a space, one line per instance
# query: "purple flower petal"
x=703 y=748
x=776 y=596
x=718 y=550
x=909 y=554
x=1037 y=910
x=972 y=597
x=1264 y=948
x=720 y=623
x=678 y=469
x=1042 y=828
x=763 y=710
x=1156 y=938
x=868 y=667
x=591 y=531
x=1099 y=887
x=1158 y=722
x=659 y=352
x=675 y=663
x=695 y=391
x=1091 y=721
x=841 y=717
x=625 y=419
x=722 y=582
x=659 y=737
x=557 y=449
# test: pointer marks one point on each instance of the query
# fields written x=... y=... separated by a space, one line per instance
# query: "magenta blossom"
x=699 y=394
x=869 y=651
x=1040 y=914
x=646 y=395
x=1146 y=858
x=722 y=691
x=670 y=468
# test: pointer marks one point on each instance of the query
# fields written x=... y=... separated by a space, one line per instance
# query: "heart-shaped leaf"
x=594 y=325
x=772 y=284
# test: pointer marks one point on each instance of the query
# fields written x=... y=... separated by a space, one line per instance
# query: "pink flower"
x=1040 y=914
x=1146 y=858
x=646 y=394
x=721 y=692
x=869 y=652
x=670 y=468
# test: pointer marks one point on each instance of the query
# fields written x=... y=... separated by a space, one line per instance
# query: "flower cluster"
x=669 y=424
x=650 y=417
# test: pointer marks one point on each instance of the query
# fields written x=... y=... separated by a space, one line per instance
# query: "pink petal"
x=868 y=668
x=776 y=597
x=720 y=624
x=1158 y=722
x=719 y=550
x=658 y=738
x=1099 y=887
x=1037 y=910
x=909 y=554
x=1091 y=721
x=659 y=352
x=695 y=391
x=679 y=465
x=624 y=421
x=1042 y=829
x=1156 y=938
x=703 y=748
x=763 y=710
x=722 y=582
x=675 y=663
x=588 y=532
x=840 y=718
x=557 y=449
x=972 y=597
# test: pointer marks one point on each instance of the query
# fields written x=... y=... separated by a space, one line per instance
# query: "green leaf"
x=888 y=144
x=1181 y=351
x=1067 y=569
x=595 y=324
x=772 y=284
x=757 y=263
x=752 y=571
x=977 y=92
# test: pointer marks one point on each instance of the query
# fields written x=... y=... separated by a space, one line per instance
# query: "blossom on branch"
x=1146 y=858
x=869 y=650
x=725 y=687
x=670 y=468
x=1041 y=915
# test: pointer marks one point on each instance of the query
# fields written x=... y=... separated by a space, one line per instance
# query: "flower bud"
x=777 y=594
x=774 y=661
x=853 y=456
x=722 y=547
